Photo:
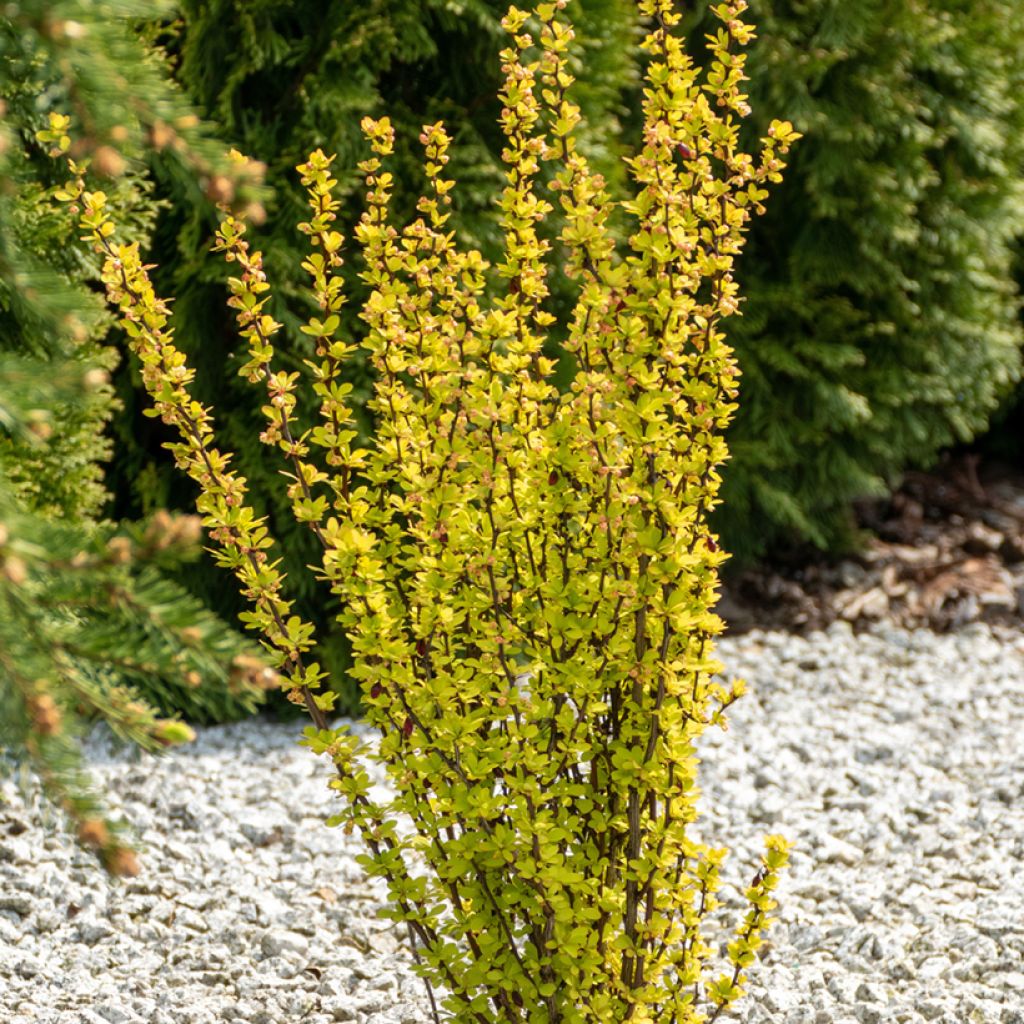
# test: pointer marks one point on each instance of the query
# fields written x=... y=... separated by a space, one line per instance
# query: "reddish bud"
x=553 y=478
x=108 y=162
x=407 y=728
x=122 y=862
x=375 y=691
x=220 y=189
x=45 y=715
x=712 y=544
x=685 y=151
x=93 y=832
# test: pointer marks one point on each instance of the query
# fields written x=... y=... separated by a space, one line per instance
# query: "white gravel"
x=895 y=760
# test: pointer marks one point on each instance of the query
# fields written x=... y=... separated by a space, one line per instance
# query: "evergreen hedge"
x=881 y=321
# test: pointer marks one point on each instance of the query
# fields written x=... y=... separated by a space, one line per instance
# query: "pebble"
x=835 y=851
x=892 y=758
x=283 y=944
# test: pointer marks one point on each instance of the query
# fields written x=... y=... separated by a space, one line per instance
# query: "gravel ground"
x=894 y=759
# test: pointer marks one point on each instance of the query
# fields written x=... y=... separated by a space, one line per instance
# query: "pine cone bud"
x=119 y=549
x=187 y=530
x=95 y=378
x=108 y=162
x=45 y=714
x=122 y=862
x=220 y=189
x=93 y=832
x=161 y=135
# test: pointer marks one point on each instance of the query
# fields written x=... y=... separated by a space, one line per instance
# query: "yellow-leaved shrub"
x=527 y=576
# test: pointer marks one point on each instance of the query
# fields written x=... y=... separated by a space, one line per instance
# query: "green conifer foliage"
x=281 y=76
x=98 y=631
x=89 y=624
x=71 y=54
x=46 y=309
x=880 y=323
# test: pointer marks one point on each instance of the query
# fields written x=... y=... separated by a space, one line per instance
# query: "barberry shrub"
x=276 y=90
x=526 y=576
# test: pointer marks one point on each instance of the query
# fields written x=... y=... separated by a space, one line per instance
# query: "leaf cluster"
x=275 y=89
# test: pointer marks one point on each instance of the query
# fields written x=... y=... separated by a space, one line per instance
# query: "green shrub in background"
x=526 y=573
x=277 y=78
x=99 y=632
x=881 y=322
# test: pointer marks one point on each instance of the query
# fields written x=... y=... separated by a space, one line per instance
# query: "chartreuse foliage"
x=527 y=576
x=276 y=89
